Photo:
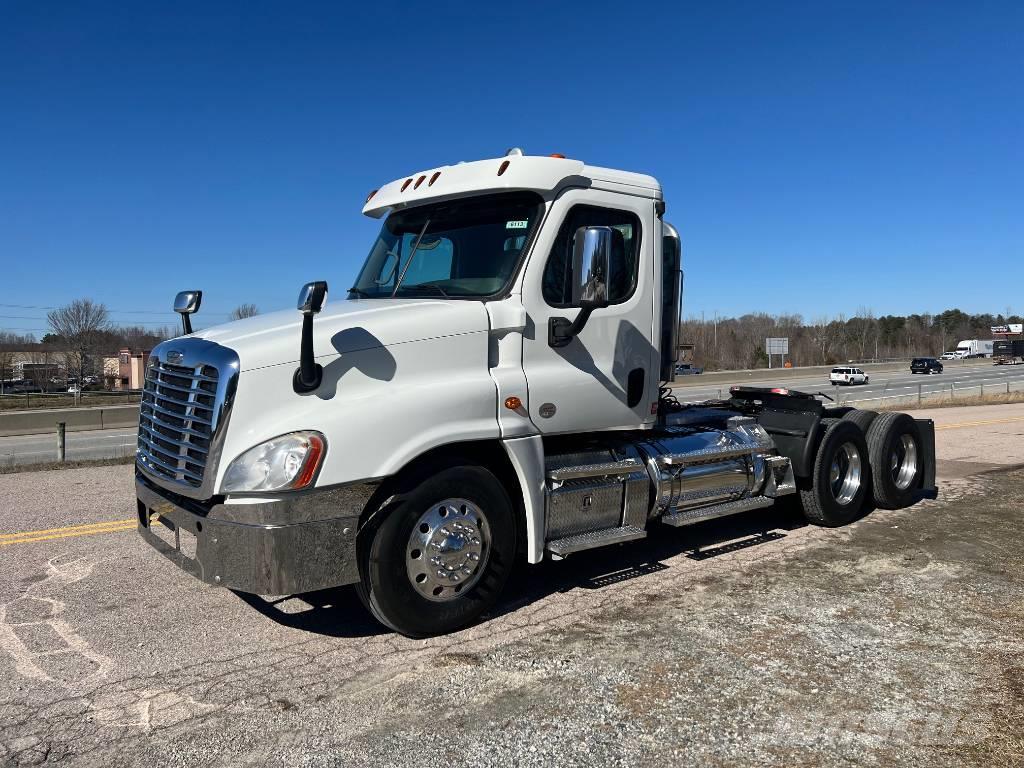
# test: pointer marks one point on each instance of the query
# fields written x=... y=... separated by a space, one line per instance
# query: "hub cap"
x=448 y=549
x=903 y=462
x=845 y=473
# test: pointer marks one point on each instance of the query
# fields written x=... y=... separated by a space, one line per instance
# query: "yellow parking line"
x=979 y=423
x=27 y=537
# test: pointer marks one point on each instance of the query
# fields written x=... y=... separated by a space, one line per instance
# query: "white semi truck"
x=973 y=348
x=492 y=389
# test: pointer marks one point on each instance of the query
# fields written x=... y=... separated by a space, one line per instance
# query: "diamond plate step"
x=690 y=516
x=592 y=539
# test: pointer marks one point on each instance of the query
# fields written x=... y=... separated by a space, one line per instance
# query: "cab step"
x=560 y=548
x=700 y=514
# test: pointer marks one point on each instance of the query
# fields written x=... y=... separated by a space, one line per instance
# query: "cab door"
x=606 y=377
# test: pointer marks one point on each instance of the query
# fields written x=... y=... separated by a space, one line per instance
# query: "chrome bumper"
x=283 y=547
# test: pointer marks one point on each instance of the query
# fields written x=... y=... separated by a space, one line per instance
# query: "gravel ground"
x=755 y=640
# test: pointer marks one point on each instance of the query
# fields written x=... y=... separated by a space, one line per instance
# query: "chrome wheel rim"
x=903 y=462
x=845 y=473
x=448 y=550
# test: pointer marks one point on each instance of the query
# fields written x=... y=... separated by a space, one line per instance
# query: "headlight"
x=286 y=463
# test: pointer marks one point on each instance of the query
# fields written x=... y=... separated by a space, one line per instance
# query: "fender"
x=527 y=457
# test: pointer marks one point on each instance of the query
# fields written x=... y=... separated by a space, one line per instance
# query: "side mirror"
x=591 y=265
x=596 y=253
x=311 y=297
x=187 y=303
x=309 y=374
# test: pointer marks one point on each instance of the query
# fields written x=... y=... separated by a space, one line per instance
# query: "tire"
x=862 y=419
x=837 y=411
x=832 y=501
x=897 y=461
x=465 y=505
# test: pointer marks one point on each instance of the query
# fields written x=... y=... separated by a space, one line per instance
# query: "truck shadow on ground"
x=339 y=613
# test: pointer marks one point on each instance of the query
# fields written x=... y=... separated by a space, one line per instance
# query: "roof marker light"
x=503 y=167
x=406 y=184
x=433 y=178
x=369 y=197
x=559 y=155
x=419 y=181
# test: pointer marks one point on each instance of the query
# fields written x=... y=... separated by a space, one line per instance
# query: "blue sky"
x=817 y=157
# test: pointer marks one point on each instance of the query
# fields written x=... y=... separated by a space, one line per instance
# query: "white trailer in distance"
x=490 y=390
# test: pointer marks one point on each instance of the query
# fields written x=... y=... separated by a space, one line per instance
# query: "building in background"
x=126 y=371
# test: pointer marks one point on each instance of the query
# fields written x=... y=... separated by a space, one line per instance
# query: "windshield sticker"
x=516 y=225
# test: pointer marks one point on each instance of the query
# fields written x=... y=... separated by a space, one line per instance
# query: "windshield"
x=459 y=248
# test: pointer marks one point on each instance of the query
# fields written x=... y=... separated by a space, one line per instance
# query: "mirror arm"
x=309 y=374
x=186 y=324
x=561 y=331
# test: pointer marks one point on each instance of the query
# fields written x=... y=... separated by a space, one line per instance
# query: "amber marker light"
x=513 y=403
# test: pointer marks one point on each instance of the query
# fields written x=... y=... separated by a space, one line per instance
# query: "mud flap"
x=926 y=428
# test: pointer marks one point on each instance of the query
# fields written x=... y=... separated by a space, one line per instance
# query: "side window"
x=557 y=282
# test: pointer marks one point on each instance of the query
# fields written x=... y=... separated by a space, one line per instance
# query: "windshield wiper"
x=412 y=255
x=359 y=292
x=433 y=286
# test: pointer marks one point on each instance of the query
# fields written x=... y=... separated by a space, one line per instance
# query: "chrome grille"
x=177 y=419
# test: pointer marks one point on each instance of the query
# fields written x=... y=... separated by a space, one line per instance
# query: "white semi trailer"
x=491 y=389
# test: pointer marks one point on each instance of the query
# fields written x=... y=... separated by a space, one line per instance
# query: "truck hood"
x=346 y=326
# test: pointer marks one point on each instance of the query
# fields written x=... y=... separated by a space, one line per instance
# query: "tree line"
x=733 y=343
x=80 y=335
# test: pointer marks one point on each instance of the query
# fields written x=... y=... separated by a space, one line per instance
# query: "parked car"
x=925 y=365
x=687 y=369
x=847 y=376
x=74 y=390
x=947 y=356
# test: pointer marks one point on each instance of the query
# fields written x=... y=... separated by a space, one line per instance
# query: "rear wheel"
x=894 y=447
x=441 y=555
x=862 y=419
x=835 y=492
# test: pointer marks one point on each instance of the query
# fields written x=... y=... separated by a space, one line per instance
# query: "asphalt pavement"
x=753 y=640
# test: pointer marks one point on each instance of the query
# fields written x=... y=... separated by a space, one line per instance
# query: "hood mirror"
x=187 y=303
x=311 y=297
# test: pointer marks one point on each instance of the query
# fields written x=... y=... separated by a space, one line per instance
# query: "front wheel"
x=441 y=555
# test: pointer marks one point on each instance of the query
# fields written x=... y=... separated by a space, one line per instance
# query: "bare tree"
x=80 y=327
x=243 y=311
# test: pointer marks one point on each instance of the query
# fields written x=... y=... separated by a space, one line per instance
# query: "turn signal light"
x=513 y=403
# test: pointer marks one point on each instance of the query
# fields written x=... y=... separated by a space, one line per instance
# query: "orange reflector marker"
x=513 y=403
x=503 y=167
x=433 y=178
x=406 y=184
x=559 y=155
x=419 y=181
x=369 y=197
x=309 y=468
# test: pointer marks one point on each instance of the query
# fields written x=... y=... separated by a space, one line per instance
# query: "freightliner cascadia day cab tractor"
x=491 y=389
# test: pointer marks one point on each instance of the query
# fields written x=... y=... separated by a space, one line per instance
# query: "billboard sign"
x=776 y=346
x=1011 y=328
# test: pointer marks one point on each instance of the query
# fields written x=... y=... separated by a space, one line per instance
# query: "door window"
x=557 y=283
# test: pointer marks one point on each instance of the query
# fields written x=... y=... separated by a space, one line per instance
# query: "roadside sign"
x=776 y=346
x=1011 y=328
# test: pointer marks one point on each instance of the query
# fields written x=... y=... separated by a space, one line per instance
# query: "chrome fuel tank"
x=695 y=466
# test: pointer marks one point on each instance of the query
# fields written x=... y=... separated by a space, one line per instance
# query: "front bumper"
x=261 y=548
